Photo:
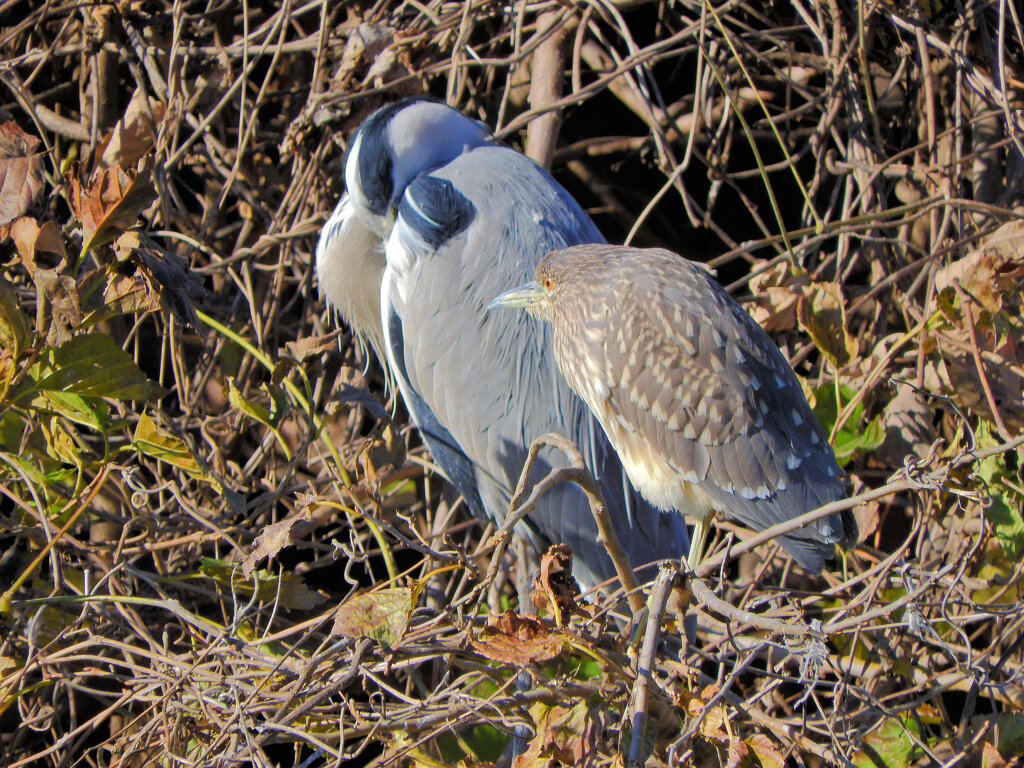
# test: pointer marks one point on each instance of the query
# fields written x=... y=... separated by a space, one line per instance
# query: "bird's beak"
x=528 y=295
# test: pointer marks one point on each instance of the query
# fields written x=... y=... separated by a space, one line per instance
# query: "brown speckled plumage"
x=701 y=405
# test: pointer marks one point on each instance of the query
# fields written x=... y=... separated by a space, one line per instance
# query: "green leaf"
x=92 y=365
x=12 y=432
x=487 y=742
x=852 y=438
x=848 y=444
x=89 y=412
x=1011 y=733
x=1004 y=508
x=61 y=442
x=891 y=746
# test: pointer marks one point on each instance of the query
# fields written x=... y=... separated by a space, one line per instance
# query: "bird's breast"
x=658 y=481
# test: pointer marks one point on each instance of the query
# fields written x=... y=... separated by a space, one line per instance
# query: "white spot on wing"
x=754 y=493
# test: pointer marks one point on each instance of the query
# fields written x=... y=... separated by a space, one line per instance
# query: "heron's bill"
x=528 y=295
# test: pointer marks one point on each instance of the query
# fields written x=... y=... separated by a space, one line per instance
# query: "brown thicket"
x=197 y=469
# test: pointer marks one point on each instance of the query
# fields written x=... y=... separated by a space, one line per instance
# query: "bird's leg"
x=699 y=539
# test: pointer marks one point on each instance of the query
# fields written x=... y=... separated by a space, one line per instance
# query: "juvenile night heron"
x=438 y=219
x=700 y=404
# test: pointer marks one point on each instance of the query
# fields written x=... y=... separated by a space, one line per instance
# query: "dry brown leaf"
x=363 y=46
x=382 y=615
x=907 y=420
x=61 y=293
x=33 y=241
x=990 y=757
x=738 y=754
x=767 y=753
x=822 y=313
x=111 y=205
x=712 y=727
x=312 y=346
x=276 y=537
x=385 y=449
x=776 y=293
x=957 y=372
x=21 y=171
x=555 y=589
x=990 y=272
x=130 y=295
x=135 y=133
x=867 y=517
x=126 y=246
x=517 y=640
x=564 y=735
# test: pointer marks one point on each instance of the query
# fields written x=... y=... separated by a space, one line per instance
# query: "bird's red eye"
x=548 y=283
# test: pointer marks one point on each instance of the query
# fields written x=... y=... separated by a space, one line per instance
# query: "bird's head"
x=534 y=297
x=559 y=279
x=540 y=296
x=396 y=144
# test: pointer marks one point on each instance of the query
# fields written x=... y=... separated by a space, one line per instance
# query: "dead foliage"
x=214 y=548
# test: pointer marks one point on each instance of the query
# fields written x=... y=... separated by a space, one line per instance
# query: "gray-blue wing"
x=465 y=233
x=443 y=447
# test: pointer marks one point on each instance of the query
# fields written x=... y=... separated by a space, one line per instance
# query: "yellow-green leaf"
x=89 y=412
x=382 y=615
x=13 y=466
x=15 y=333
x=250 y=408
x=153 y=441
x=891 y=746
x=288 y=589
x=60 y=441
x=767 y=753
x=822 y=314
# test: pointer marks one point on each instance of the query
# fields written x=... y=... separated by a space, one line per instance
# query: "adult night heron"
x=700 y=404
x=436 y=220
